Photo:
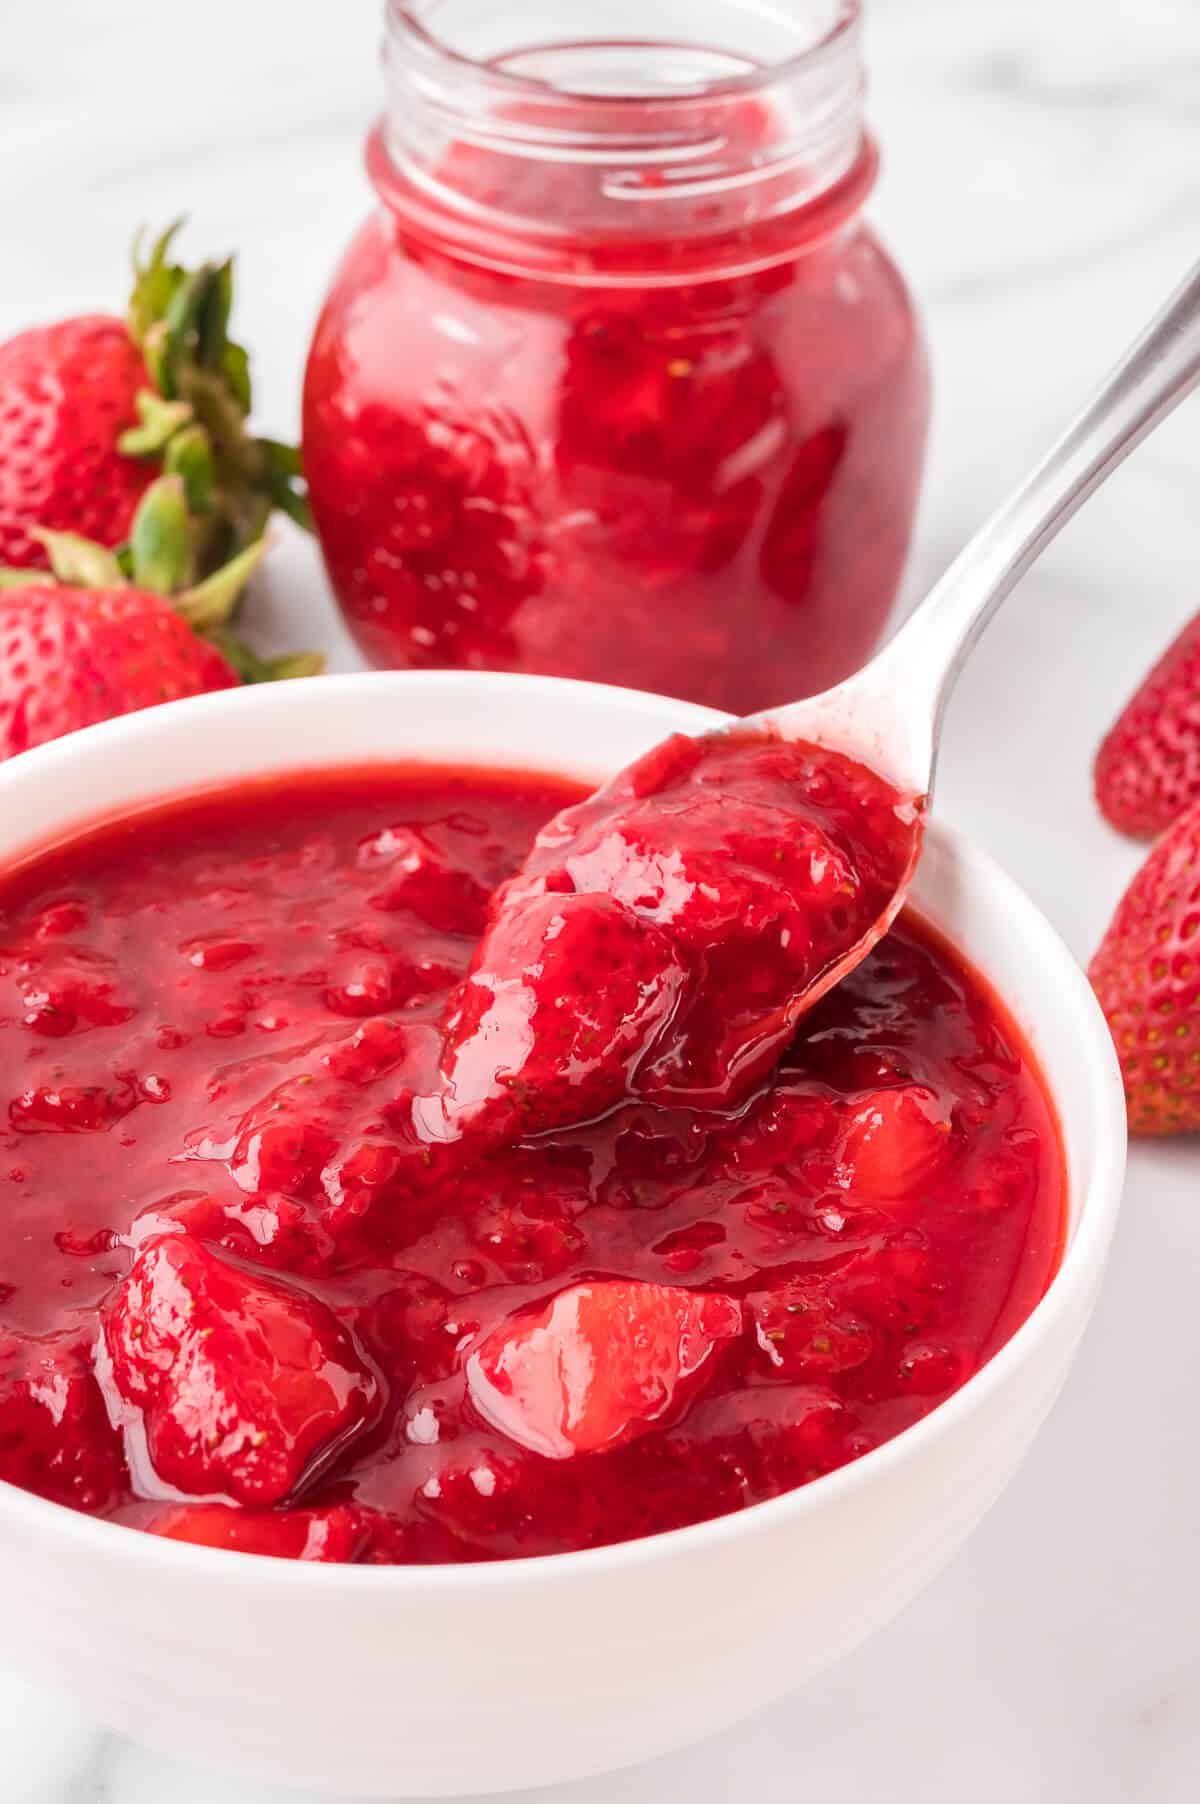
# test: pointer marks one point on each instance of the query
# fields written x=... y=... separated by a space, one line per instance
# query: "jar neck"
x=573 y=158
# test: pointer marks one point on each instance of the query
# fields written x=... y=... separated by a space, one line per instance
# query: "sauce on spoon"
x=663 y=937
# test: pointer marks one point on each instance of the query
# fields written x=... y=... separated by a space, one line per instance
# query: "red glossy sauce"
x=220 y=1282
x=663 y=937
x=685 y=461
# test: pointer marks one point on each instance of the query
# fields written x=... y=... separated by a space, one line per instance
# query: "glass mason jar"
x=615 y=383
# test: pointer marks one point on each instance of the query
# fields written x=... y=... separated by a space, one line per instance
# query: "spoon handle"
x=1158 y=371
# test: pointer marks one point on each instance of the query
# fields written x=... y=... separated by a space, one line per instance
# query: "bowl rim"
x=1079 y=1269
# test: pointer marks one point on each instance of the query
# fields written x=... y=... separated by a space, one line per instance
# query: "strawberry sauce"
x=241 y=1305
x=669 y=442
x=663 y=938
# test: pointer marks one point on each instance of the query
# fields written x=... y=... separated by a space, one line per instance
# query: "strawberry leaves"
x=159 y=559
x=192 y=420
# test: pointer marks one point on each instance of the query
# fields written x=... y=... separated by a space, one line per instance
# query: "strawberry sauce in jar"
x=615 y=383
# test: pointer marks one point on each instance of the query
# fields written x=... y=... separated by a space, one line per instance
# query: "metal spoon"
x=889 y=716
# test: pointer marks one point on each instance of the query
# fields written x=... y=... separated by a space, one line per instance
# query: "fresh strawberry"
x=1146 y=974
x=84 y=644
x=338 y=1532
x=67 y=393
x=55 y=1437
x=93 y=409
x=1148 y=767
x=71 y=657
x=243 y=1383
x=566 y=995
x=598 y=1365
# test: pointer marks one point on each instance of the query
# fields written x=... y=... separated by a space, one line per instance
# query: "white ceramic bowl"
x=444 y=1680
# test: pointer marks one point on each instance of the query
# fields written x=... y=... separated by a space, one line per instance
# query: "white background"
x=1042 y=189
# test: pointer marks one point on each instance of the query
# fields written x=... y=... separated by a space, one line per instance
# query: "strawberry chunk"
x=896 y=1142
x=55 y=1436
x=421 y=880
x=284 y=1141
x=761 y=864
x=598 y=1365
x=484 y=1498
x=566 y=996
x=68 y=994
x=777 y=1436
x=527 y=1233
x=803 y=1335
x=336 y=1533
x=243 y=1383
x=419 y=1327
x=268 y=1229
x=776 y=1133
x=373 y=984
x=891 y=1286
x=371 y=1050
x=72 y=1108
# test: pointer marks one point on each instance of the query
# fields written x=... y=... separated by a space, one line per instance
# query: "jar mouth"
x=734 y=115
x=412 y=19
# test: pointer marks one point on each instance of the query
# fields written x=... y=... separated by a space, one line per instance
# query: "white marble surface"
x=1043 y=189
